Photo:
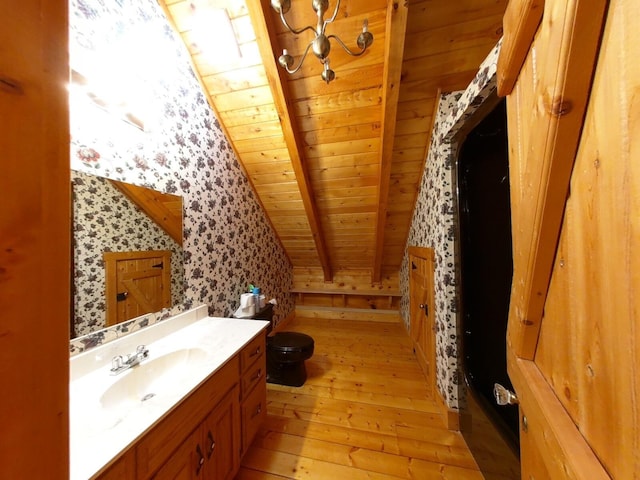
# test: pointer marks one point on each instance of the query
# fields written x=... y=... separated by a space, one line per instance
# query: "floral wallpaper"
x=128 y=49
x=434 y=225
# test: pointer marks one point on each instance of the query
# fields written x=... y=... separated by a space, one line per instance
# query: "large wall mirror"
x=136 y=231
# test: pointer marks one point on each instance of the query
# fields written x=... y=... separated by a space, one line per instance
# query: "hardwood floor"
x=364 y=413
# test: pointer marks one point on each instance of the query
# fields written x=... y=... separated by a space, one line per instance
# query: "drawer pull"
x=258 y=411
x=200 y=459
x=256 y=352
x=258 y=375
x=212 y=444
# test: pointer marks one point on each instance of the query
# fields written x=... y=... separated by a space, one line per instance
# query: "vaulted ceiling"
x=337 y=166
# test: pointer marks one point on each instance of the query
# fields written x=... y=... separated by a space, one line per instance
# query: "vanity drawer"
x=254 y=349
x=253 y=376
x=254 y=411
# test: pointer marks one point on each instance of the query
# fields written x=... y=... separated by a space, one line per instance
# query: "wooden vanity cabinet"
x=206 y=434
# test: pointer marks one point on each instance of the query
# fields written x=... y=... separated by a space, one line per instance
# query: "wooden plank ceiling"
x=337 y=166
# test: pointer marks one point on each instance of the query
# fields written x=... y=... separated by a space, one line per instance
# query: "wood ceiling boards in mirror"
x=337 y=166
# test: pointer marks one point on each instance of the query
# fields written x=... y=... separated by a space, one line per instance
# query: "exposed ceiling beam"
x=267 y=44
x=396 y=27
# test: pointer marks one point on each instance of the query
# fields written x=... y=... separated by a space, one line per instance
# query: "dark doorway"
x=486 y=265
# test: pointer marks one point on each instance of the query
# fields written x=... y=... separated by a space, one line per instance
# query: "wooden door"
x=136 y=283
x=573 y=340
x=421 y=310
x=221 y=439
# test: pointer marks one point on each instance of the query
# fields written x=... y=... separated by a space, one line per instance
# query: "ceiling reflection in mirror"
x=105 y=219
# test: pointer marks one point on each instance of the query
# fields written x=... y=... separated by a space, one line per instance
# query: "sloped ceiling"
x=337 y=166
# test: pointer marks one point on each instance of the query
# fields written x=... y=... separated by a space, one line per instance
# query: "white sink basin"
x=153 y=377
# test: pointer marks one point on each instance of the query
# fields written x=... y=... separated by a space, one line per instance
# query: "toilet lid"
x=290 y=342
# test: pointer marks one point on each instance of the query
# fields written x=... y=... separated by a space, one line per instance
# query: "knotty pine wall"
x=589 y=344
x=34 y=241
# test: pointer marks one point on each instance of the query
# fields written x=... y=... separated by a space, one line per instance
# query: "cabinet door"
x=187 y=462
x=421 y=309
x=221 y=439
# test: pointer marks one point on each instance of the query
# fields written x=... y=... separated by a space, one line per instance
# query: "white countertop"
x=98 y=435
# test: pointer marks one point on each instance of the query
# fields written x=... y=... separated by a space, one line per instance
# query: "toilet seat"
x=291 y=342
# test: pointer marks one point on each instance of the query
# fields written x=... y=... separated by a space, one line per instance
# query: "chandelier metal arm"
x=293 y=30
x=304 y=55
x=347 y=49
x=333 y=17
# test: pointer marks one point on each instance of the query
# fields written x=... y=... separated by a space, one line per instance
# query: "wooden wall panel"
x=352 y=280
x=521 y=22
x=564 y=49
x=553 y=447
x=580 y=394
x=590 y=344
x=556 y=347
x=35 y=241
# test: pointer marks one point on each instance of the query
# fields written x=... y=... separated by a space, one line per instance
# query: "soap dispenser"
x=256 y=298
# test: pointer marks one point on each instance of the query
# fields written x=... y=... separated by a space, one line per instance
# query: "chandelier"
x=320 y=44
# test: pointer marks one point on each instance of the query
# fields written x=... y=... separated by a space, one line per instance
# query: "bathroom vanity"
x=188 y=410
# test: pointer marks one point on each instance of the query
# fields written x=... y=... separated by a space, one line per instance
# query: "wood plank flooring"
x=364 y=413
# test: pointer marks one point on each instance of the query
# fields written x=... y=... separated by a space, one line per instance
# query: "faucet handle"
x=116 y=363
x=142 y=351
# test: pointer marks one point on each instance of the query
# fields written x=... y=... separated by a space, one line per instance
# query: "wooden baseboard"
x=362 y=314
x=453 y=419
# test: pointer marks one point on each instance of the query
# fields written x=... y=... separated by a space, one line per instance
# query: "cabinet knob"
x=212 y=444
x=200 y=459
x=257 y=411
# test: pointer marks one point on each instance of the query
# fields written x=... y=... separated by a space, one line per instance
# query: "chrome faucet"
x=120 y=363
